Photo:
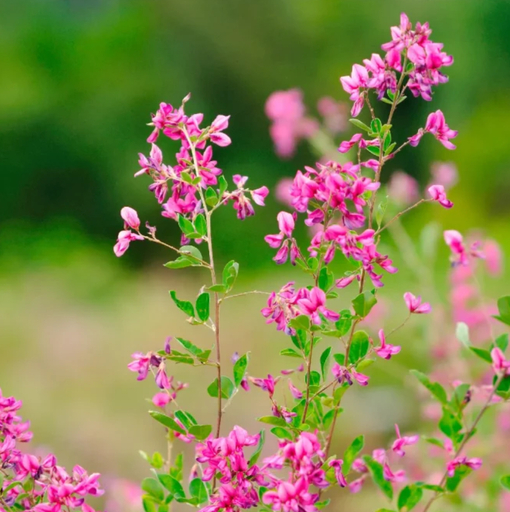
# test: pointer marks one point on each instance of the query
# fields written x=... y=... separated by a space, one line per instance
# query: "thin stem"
x=308 y=372
x=400 y=215
x=243 y=294
x=168 y=246
x=213 y=280
x=467 y=437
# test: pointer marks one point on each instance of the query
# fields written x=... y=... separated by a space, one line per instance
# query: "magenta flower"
x=386 y=350
x=337 y=465
x=123 y=240
x=283 y=240
x=267 y=384
x=474 y=464
x=436 y=125
x=354 y=85
x=414 y=304
x=216 y=129
x=130 y=217
x=401 y=442
x=499 y=363
x=161 y=399
x=314 y=303
x=438 y=194
x=298 y=395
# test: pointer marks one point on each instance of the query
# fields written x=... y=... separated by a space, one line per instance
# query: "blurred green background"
x=79 y=80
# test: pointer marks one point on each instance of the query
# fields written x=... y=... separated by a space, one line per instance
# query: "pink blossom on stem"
x=130 y=217
x=437 y=193
x=436 y=125
x=216 y=131
x=385 y=350
x=314 y=303
x=499 y=363
x=401 y=442
x=474 y=463
x=123 y=240
x=415 y=305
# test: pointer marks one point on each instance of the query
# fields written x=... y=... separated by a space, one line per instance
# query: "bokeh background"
x=79 y=79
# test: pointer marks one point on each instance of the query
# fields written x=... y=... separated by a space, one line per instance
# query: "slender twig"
x=242 y=294
x=467 y=437
x=398 y=215
x=213 y=280
x=308 y=373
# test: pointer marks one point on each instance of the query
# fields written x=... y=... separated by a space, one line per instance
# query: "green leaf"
x=227 y=388
x=222 y=182
x=376 y=125
x=377 y=472
x=409 y=497
x=176 y=470
x=258 y=450
x=504 y=310
x=454 y=481
x=152 y=487
x=190 y=347
x=183 y=305
x=449 y=425
x=352 y=452
x=326 y=279
x=172 y=485
x=230 y=273
x=389 y=149
x=503 y=388
x=505 y=482
x=167 y=421
x=359 y=346
x=273 y=420
x=300 y=322
x=180 y=262
x=325 y=360
x=191 y=253
x=387 y=141
x=198 y=490
x=315 y=378
x=290 y=352
x=344 y=323
x=200 y=225
x=502 y=342
x=381 y=211
x=482 y=354
x=211 y=197
x=339 y=358
x=202 y=306
x=374 y=150
x=359 y=124
x=282 y=433
x=462 y=334
x=218 y=288
x=434 y=387
x=434 y=441
x=185 y=225
x=240 y=369
x=148 y=504
x=364 y=302
x=200 y=431
x=185 y=418
x=180 y=358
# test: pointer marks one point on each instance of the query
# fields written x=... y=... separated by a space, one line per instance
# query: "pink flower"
x=161 y=399
x=315 y=303
x=436 y=125
x=346 y=145
x=386 y=350
x=438 y=194
x=123 y=240
x=216 y=129
x=295 y=391
x=130 y=218
x=286 y=223
x=445 y=173
x=401 y=442
x=353 y=86
x=474 y=463
x=337 y=465
x=499 y=363
x=415 y=305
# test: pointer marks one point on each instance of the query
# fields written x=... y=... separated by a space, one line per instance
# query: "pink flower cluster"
x=305 y=460
x=407 y=47
x=180 y=188
x=224 y=458
x=51 y=488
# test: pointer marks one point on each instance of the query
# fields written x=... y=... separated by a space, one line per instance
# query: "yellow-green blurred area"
x=78 y=82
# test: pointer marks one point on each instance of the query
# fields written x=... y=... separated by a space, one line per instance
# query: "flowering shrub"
x=338 y=201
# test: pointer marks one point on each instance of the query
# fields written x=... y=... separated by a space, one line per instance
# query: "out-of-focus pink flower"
x=493 y=257
x=334 y=114
x=401 y=442
x=403 y=188
x=499 y=363
x=445 y=174
x=385 y=350
x=414 y=304
x=161 y=399
x=474 y=463
x=437 y=193
x=282 y=191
